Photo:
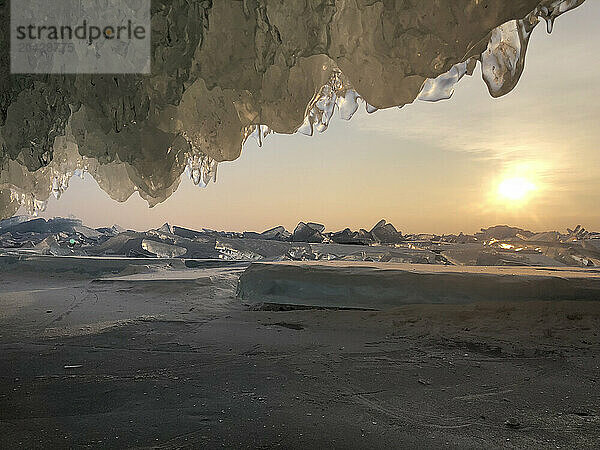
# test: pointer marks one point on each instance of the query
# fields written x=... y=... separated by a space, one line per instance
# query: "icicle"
x=201 y=170
x=370 y=108
x=306 y=128
x=348 y=104
x=442 y=87
x=503 y=61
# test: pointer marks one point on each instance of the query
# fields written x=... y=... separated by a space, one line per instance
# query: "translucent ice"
x=442 y=87
x=503 y=61
x=550 y=10
x=348 y=104
x=225 y=71
x=201 y=169
x=163 y=250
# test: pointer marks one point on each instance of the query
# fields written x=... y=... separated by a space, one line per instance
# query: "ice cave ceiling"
x=224 y=70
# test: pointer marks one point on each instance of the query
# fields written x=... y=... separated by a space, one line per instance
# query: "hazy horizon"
x=528 y=159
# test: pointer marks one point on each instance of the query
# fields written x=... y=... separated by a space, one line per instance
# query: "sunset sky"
x=528 y=159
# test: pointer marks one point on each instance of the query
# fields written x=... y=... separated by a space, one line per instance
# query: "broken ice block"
x=163 y=250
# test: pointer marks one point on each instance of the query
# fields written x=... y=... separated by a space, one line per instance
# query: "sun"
x=515 y=189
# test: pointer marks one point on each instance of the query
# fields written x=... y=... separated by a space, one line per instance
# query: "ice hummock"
x=342 y=285
x=500 y=245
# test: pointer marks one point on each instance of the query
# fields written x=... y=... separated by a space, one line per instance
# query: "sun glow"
x=515 y=189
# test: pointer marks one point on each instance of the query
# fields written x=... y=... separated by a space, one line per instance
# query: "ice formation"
x=503 y=61
x=201 y=169
x=223 y=72
x=162 y=250
x=495 y=246
x=442 y=87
